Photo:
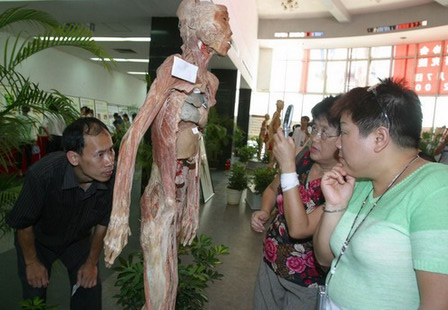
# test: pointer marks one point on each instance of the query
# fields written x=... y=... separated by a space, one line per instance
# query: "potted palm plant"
x=237 y=183
x=20 y=91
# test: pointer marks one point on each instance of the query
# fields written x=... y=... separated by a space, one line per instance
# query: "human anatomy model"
x=176 y=108
x=263 y=135
x=273 y=127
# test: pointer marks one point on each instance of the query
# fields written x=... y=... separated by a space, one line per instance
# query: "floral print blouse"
x=290 y=258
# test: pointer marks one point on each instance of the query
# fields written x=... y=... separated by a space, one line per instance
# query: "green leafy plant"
x=194 y=277
x=130 y=282
x=239 y=137
x=245 y=153
x=430 y=140
x=262 y=177
x=217 y=135
x=20 y=91
x=265 y=158
x=35 y=304
x=238 y=177
x=10 y=187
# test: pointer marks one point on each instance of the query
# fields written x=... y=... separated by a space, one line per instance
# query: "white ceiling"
x=336 y=8
x=133 y=18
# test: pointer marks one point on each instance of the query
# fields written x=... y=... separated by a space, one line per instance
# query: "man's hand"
x=87 y=275
x=258 y=220
x=37 y=274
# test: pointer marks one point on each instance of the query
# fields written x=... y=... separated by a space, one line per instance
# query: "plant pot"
x=254 y=164
x=253 y=199
x=233 y=196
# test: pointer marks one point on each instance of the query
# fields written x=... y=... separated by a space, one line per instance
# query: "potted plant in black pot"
x=237 y=183
x=260 y=180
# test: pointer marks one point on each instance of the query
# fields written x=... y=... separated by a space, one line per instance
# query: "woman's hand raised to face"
x=284 y=151
x=337 y=187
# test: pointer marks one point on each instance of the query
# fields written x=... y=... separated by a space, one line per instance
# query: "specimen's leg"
x=159 y=245
x=189 y=205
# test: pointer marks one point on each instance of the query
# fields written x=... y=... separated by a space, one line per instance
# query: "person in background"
x=133 y=116
x=62 y=213
x=384 y=230
x=288 y=276
x=89 y=113
x=84 y=111
x=300 y=134
x=126 y=123
x=442 y=148
x=118 y=121
x=53 y=125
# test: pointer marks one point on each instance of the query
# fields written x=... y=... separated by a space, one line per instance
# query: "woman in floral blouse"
x=288 y=276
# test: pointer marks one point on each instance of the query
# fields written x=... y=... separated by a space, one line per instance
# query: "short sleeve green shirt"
x=407 y=231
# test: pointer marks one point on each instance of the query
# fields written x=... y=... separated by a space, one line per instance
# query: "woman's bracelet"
x=333 y=211
x=288 y=181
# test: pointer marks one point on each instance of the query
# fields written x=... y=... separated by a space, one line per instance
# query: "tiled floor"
x=228 y=225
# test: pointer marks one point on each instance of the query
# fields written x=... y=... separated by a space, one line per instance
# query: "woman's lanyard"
x=353 y=230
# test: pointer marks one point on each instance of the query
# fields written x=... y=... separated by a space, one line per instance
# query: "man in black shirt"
x=63 y=211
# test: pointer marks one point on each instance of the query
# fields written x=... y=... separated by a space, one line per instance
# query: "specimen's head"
x=205 y=22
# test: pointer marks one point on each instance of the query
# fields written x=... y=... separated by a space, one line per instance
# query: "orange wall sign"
x=424 y=66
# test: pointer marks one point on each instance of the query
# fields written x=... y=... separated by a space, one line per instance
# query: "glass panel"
x=316 y=73
x=358 y=74
x=317 y=54
x=379 y=69
x=381 y=52
x=360 y=53
x=273 y=102
x=441 y=118
x=259 y=103
x=405 y=51
x=279 y=53
x=336 y=76
x=294 y=53
x=337 y=54
x=278 y=75
x=309 y=101
x=428 y=111
x=293 y=76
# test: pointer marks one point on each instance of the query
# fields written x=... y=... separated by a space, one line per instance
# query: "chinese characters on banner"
x=425 y=66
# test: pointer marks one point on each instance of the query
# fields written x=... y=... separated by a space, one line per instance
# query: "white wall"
x=244 y=23
x=70 y=75
x=434 y=13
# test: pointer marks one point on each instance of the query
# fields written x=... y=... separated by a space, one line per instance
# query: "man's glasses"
x=323 y=135
x=372 y=90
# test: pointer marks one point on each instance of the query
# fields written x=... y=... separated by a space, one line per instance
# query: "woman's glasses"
x=321 y=134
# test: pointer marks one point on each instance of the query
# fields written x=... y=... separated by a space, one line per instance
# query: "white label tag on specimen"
x=184 y=70
x=195 y=130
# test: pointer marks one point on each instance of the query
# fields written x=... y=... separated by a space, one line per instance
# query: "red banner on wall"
x=423 y=66
x=443 y=89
